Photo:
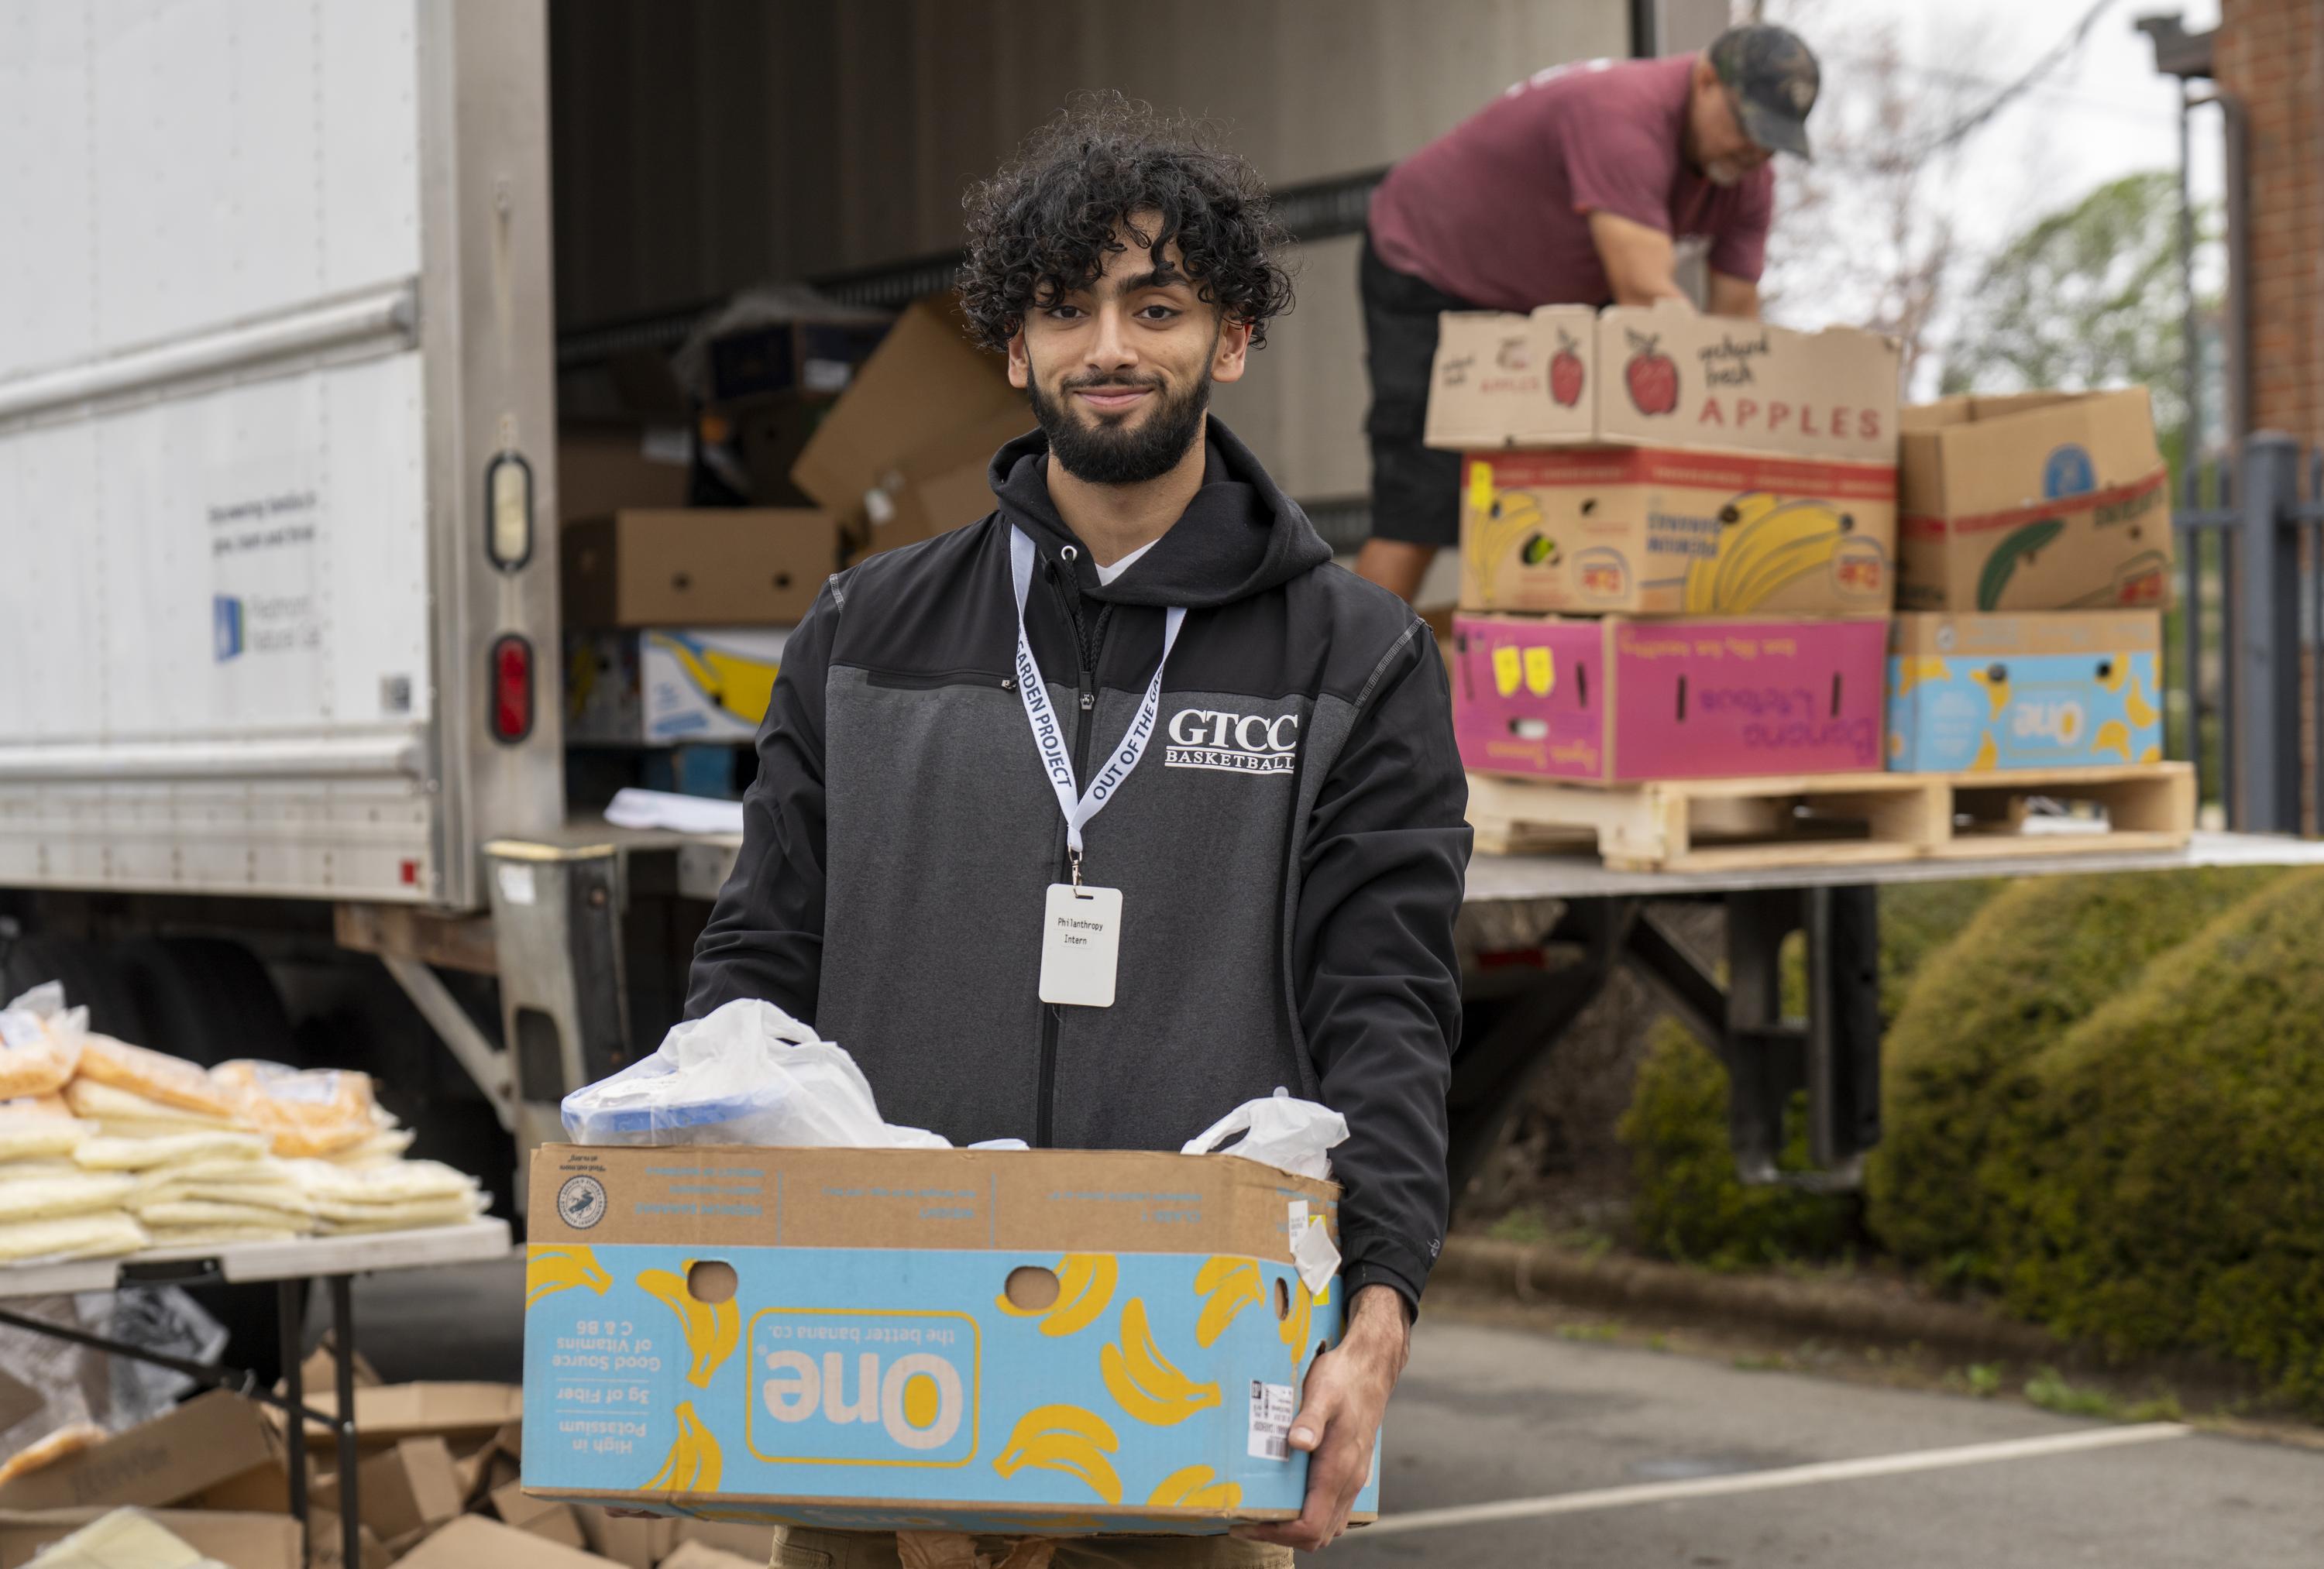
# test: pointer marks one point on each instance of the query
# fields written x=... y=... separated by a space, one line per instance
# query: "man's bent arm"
x=765 y=935
x=1731 y=296
x=1640 y=262
x=1378 y=981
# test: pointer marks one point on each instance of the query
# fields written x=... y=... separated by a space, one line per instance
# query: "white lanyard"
x=1049 y=735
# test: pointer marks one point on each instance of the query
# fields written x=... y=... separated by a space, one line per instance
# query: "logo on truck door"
x=1233 y=743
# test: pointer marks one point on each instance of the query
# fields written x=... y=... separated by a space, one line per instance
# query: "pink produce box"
x=1609 y=700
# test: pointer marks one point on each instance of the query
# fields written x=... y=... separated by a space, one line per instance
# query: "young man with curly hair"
x=1139 y=684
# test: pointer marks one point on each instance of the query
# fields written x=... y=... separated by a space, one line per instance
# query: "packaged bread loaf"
x=40 y=1043
x=309 y=1112
x=155 y=1075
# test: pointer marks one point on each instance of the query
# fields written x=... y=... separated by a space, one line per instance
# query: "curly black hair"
x=1045 y=223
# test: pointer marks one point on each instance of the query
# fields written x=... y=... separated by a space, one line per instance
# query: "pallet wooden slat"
x=1835 y=819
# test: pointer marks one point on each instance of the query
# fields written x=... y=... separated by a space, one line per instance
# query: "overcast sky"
x=2103 y=112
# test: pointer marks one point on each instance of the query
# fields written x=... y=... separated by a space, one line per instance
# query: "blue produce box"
x=1061 y=1342
x=2060 y=689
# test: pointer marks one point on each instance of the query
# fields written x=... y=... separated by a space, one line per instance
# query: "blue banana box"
x=1027 y=1342
x=2062 y=689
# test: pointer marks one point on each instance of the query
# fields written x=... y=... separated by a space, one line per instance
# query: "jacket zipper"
x=1085 y=706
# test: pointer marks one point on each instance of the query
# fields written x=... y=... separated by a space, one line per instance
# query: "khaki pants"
x=798 y=1547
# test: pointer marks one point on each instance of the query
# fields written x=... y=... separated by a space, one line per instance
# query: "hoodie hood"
x=1240 y=535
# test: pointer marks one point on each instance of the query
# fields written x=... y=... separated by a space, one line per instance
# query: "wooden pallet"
x=1700 y=825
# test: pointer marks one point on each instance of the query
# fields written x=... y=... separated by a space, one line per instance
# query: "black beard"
x=1109 y=454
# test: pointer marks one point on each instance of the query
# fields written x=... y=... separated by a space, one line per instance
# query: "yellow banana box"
x=1660 y=531
x=669 y=685
x=1967 y=694
x=1031 y=1342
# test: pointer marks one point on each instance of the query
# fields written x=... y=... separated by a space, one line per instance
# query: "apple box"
x=2041 y=501
x=1656 y=531
x=1661 y=377
x=1971 y=693
x=1615 y=700
x=1017 y=1342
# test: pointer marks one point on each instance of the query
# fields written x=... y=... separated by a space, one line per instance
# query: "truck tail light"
x=511 y=664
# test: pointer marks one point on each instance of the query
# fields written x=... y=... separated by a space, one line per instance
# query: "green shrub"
x=2166 y=1185
x=1917 y=921
x=1690 y=1206
x=2037 y=960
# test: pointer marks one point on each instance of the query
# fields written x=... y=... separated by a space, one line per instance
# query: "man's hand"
x=1339 y=1418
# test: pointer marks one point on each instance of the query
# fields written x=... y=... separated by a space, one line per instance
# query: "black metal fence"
x=2251 y=601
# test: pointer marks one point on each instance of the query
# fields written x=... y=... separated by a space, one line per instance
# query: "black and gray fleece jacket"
x=1290 y=850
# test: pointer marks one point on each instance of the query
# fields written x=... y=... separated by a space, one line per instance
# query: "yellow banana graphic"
x=550 y=1270
x=1084 y=1287
x=1508 y=669
x=1195 y=1488
x=1227 y=1286
x=1294 y=1329
x=1912 y=673
x=1143 y=1382
x=1065 y=1438
x=695 y=1460
x=712 y=1331
x=2113 y=736
x=2141 y=712
x=1994 y=679
x=1987 y=755
x=2152 y=755
x=1764 y=546
x=741 y=687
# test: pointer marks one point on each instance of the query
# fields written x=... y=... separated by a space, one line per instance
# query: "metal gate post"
x=2266 y=652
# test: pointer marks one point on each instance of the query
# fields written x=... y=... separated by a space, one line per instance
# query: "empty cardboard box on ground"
x=1971 y=693
x=211 y=1441
x=245 y=1541
x=708 y=566
x=1662 y=463
x=2042 y=501
x=1058 y=1341
x=1615 y=700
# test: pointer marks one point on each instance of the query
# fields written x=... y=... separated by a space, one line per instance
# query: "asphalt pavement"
x=1506 y=1447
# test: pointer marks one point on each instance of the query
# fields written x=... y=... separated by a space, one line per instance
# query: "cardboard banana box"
x=2062 y=690
x=1656 y=531
x=670 y=684
x=1614 y=701
x=2039 y=502
x=1027 y=1342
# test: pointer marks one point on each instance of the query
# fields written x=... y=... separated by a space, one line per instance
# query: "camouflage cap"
x=1773 y=78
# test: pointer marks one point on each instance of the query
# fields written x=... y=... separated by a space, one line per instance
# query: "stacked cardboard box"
x=1720 y=496
x=2036 y=563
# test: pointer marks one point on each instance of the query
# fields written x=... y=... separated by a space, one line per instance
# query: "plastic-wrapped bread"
x=98 y=1234
x=217 y=1237
x=308 y=1111
x=400 y=1182
x=127 y=1112
x=108 y=1153
x=29 y=1135
x=382 y=1147
x=155 y=1075
x=338 y=1219
x=37 y=1054
x=49 y=1197
x=177 y=1214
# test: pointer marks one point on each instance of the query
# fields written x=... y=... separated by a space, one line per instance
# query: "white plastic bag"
x=1287 y=1133
x=747 y=1074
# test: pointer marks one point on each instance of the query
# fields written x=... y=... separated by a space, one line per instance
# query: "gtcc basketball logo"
x=1233 y=743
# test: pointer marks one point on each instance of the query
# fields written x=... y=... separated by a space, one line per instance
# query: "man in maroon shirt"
x=1573 y=187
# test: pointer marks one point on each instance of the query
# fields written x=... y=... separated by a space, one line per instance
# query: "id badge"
x=1081 y=945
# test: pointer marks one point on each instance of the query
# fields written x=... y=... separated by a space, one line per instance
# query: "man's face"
x=1720 y=148
x=1119 y=372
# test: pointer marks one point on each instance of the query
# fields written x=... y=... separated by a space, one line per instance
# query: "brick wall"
x=2269 y=54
